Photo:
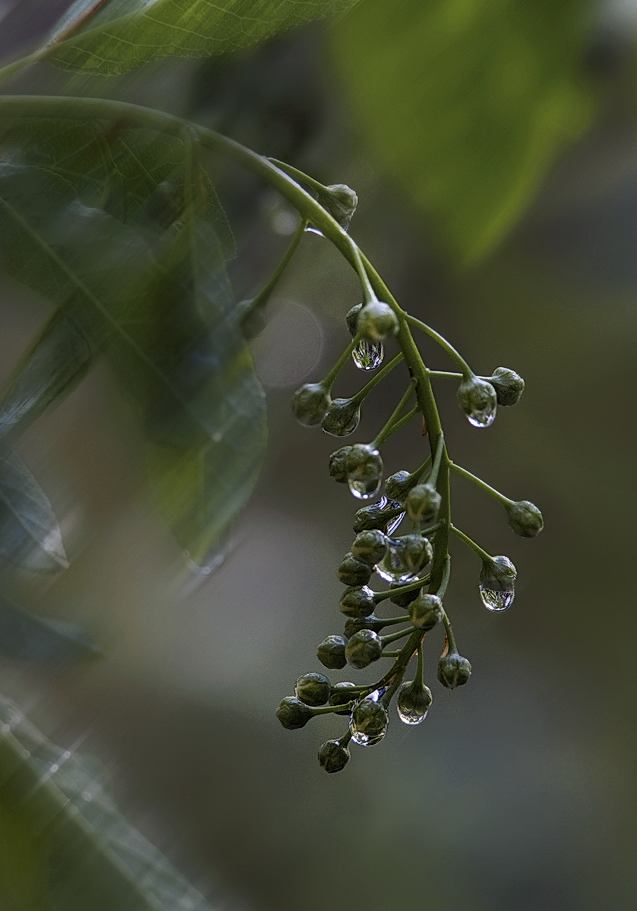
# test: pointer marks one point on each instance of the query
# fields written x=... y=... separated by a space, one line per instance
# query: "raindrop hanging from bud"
x=368 y=355
x=311 y=403
x=364 y=468
x=497 y=583
x=342 y=418
x=478 y=400
x=413 y=701
x=368 y=723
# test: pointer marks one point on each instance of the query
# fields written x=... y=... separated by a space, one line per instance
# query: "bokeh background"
x=517 y=793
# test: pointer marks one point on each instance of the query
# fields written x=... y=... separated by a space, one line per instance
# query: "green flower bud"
x=331 y=652
x=403 y=599
x=453 y=670
x=374 y=516
x=342 y=694
x=337 y=464
x=398 y=485
x=363 y=648
x=310 y=404
x=423 y=503
x=355 y=624
x=525 y=518
x=497 y=583
x=342 y=418
x=368 y=724
x=292 y=713
x=333 y=756
x=351 y=318
x=413 y=701
x=478 y=400
x=376 y=321
x=313 y=689
x=364 y=468
x=426 y=611
x=370 y=547
x=508 y=385
x=340 y=201
x=416 y=552
x=353 y=572
x=357 y=601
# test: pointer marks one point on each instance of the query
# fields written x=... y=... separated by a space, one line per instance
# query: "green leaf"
x=467 y=102
x=123 y=34
x=29 y=636
x=97 y=860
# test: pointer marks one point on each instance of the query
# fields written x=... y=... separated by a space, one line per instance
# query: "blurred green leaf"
x=123 y=34
x=23 y=861
x=35 y=638
x=467 y=102
x=98 y=861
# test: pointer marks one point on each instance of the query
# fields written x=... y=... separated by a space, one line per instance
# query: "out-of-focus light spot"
x=289 y=347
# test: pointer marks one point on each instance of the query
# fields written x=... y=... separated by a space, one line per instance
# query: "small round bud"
x=525 y=518
x=342 y=418
x=331 y=652
x=497 y=583
x=357 y=601
x=340 y=201
x=343 y=694
x=368 y=724
x=333 y=756
x=364 y=468
x=363 y=648
x=426 y=611
x=403 y=599
x=337 y=464
x=376 y=321
x=453 y=670
x=413 y=701
x=416 y=552
x=370 y=547
x=478 y=400
x=313 y=689
x=310 y=404
x=375 y=516
x=352 y=571
x=398 y=485
x=508 y=385
x=351 y=318
x=355 y=624
x=293 y=714
x=423 y=503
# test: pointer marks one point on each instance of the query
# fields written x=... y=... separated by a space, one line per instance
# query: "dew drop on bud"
x=412 y=702
x=364 y=490
x=496 y=599
x=481 y=418
x=392 y=567
x=368 y=355
x=368 y=722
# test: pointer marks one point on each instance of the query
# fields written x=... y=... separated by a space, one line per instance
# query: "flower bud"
x=376 y=516
x=355 y=624
x=337 y=464
x=423 y=503
x=342 y=418
x=508 y=385
x=376 y=321
x=351 y=318
x=331 y=652
x=426 y=611
x=368 y=724
x=310 y=404
x=497 y=583
x=292 y=713
x=412 y=701
x=453 y=670
x=398 y=485
x=403 y=599
x=353 y=572
x=370 y=547
x=416 y=552
x=363 y=648
x=525 y=518
x=342 y=694
x=357 y=601
x=340 y=201
x=313 y=689
x=333 y=756
x=364 y=468
x=478 y=400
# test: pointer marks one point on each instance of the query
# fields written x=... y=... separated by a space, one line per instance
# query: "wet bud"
x=310 y=404
x=313 y=689
x=398 y=486
x=352 y=571
x=375 y=516
x=337 y=465
x=342 y=694
x=376 y=321
x=368 y=724
x=416 y=552
x=331 y=652
x=351 y=318
x=426 y=611
x=340 y=201
x=478 y=400
x=342 y=418
x=497 y=583
x=525 y=518
x=370 y=546
x=404 y=599
x=364 y=468
x=355 y=624
x=413 y=701
x=363 y=648
x=293 y=714
x=333 y=756
x=423 y=503
x=358 y=602
x=453 y=670
x=508 y=385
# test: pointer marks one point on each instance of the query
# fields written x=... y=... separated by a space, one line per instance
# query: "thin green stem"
x=471 y=544
x=299 y=176
x=401 y=422
x=444 y=344
x=445 y=578
x=261 y=299
x=420 y=667
x=482 y=484
x=401 y=589
x=375 y=380
x=338 y=366
x=395 y=415
x=445 y=373
x=433 y=477
x=393 y=637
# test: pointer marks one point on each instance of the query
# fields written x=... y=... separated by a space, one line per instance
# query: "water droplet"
x=364 y=490
x=368 y=355
x=312 y=230
x=496 y=599
x=53 y=769
x=386 y=503
x=368 y=722
x=5 y=729
x=66 y=755
x=87 y=796
x=411 y=715
x=482 y=418
x=392 y=567
x=413 y=701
